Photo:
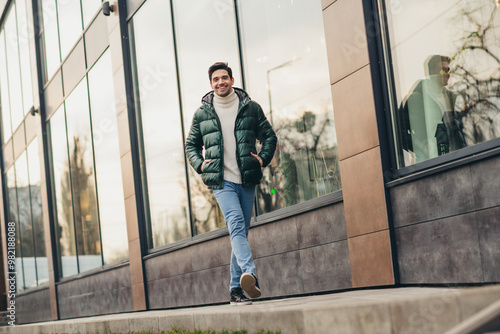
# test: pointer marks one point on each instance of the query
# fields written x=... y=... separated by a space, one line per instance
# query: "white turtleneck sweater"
x=227 y=109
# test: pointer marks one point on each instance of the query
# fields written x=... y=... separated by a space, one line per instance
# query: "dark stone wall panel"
x=33 y=307
x=440 y=251
x=486 y=181
x=321 y=226
x=275 y=238
x=435 y=197
x=170 y=264
x=440 y=209
x=489 y=239
x=211 y=254
x=211 y=286
x=280 y=275
x=102 y=293
x=326 y=267
x=173 y=291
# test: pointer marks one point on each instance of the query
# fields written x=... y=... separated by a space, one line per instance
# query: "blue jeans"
x=236 y=203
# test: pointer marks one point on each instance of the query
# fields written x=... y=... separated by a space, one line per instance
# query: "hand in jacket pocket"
x=257 y=157
x=204 y=163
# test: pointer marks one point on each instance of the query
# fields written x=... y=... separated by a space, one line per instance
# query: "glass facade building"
x=388 y=123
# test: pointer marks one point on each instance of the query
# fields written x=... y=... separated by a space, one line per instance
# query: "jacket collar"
x=208 y=98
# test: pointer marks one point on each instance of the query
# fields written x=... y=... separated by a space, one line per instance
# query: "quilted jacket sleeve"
x=194 y=145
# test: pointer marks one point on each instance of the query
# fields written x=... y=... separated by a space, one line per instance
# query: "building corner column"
x=367 y=220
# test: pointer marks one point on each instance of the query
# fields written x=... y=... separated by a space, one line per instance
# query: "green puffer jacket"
x=251 y=124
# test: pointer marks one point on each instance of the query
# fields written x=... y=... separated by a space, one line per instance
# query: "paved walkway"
x=385 y=311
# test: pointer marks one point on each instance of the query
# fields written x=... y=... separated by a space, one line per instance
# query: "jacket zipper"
x=221 y=146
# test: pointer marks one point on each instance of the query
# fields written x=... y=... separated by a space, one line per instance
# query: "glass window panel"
x=25 y=223
x=286 y=72
x=4 y=90
x=81 y=163
x=13 y=69
x=107 y=161
x=14 y=217
x=63 y=198
x=90 y=7
x=51 y=38
x=24 y=53
x=69 y=16
x=196 y=54
x=158 y=104
x=446 y=76
x=37 y=213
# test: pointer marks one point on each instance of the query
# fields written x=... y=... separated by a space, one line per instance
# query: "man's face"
x=445 y=72
x=221 y=83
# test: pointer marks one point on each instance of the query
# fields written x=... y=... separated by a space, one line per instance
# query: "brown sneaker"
x=250 y=285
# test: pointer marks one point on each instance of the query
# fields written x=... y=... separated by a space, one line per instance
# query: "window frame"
x=398 y=173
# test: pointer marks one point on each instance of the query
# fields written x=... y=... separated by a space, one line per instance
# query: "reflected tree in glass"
x=84 y=199
x=81 y=162
x=476 y=71
x=37 y=213
x=286 y=72
x=304 y=167
x=107 y=161
x=454 y=103
x=63 y=201
x=25 y=230
x=14 y=218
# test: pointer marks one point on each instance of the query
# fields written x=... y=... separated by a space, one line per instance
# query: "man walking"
x=227 y=126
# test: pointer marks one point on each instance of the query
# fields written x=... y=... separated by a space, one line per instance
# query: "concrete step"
x=405 y=310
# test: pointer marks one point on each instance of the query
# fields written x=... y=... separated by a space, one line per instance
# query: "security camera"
x=107 y=8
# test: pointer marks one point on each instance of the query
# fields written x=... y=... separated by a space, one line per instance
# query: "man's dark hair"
x=219 y=66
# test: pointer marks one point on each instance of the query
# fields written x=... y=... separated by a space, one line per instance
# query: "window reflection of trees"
x=476 y=71
x=305 y=165
x=25 y=210
x=208 y=215
x=79 y=176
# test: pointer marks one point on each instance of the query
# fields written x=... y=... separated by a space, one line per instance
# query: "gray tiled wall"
x=301 y=254
x=102 y=293
x=33 y=307
x=448 y=225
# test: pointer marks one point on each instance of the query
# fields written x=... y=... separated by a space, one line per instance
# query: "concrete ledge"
x=393 y=310
x=487 y=320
